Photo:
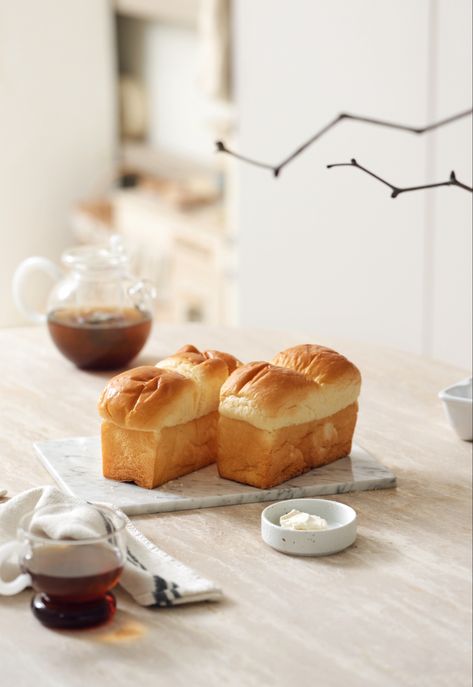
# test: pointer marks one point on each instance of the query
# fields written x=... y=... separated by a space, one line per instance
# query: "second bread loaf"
x=280 y=419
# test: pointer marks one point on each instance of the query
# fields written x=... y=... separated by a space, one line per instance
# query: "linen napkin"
x=150 y=576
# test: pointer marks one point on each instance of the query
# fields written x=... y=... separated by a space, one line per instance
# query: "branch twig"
x=397 y=190
x=276 y=169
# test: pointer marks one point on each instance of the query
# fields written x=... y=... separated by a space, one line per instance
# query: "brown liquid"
x=74 y=573
x=75 y=583
x=99 y=338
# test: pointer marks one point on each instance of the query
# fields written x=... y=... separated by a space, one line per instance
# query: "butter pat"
x=298 y=520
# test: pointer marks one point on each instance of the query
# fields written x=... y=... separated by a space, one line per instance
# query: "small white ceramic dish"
x=340 y=533
x=458 y=403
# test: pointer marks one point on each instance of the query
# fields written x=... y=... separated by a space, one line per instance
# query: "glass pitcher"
x=98 y=316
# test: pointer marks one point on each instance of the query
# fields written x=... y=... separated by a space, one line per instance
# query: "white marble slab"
x=75 y=464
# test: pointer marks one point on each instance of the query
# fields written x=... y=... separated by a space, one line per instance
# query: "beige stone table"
x=392 y=610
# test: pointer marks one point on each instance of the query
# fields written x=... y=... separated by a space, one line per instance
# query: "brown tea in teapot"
x=99 y=338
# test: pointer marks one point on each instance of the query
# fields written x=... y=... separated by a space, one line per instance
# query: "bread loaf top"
x=148 y=398
x=207 y=369
x=302 y=384
x=191 y=355
x=179 y=389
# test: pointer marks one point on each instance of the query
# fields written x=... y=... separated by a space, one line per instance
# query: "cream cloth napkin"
x=150 y=576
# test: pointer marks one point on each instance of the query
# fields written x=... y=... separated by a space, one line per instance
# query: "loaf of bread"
x=280 y=419
x=160 y=422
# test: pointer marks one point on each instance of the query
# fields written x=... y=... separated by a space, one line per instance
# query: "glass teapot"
x=98 y=316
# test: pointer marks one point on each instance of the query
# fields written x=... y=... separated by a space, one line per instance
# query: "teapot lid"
x=97 y=257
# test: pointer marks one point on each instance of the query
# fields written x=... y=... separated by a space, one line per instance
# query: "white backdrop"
x=329 y=250
x=57 y=124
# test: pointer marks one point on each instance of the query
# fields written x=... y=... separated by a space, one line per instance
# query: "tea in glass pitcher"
x=98 y=316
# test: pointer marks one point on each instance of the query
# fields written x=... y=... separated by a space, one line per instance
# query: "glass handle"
x=21 y=581
x=20 y=277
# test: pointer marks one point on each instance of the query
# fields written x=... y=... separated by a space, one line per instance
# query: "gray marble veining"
x=75 y=464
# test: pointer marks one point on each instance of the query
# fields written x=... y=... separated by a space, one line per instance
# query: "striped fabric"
x=150 y=576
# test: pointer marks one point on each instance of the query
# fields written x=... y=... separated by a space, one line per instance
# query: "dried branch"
x=276 y=169
x=396 y=190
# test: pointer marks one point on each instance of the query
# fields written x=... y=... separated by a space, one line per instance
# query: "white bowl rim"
x=447 y=395
x=303 y=533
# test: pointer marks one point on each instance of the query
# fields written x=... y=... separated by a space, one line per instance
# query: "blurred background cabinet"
x=173 y=90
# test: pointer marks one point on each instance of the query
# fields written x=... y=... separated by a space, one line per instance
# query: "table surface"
x=394 y=609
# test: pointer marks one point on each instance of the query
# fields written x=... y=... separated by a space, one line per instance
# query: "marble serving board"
x=76 y=466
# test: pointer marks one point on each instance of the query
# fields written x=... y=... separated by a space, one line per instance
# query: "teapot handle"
x=20 y=276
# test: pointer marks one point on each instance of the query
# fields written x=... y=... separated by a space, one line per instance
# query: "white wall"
x=57 y=114
x=450 y=226
x=329 y=250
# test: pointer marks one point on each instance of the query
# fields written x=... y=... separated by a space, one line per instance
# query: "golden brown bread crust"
x=264 y=459
x=207 y=369
x=152 y=458
x=177 y=390
x=314 y=382
x=265 y=395
x=161 y=422
x=323 y=365
x=147 y=398
x=279 y=420
x=265 y=381
x=193 y=354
